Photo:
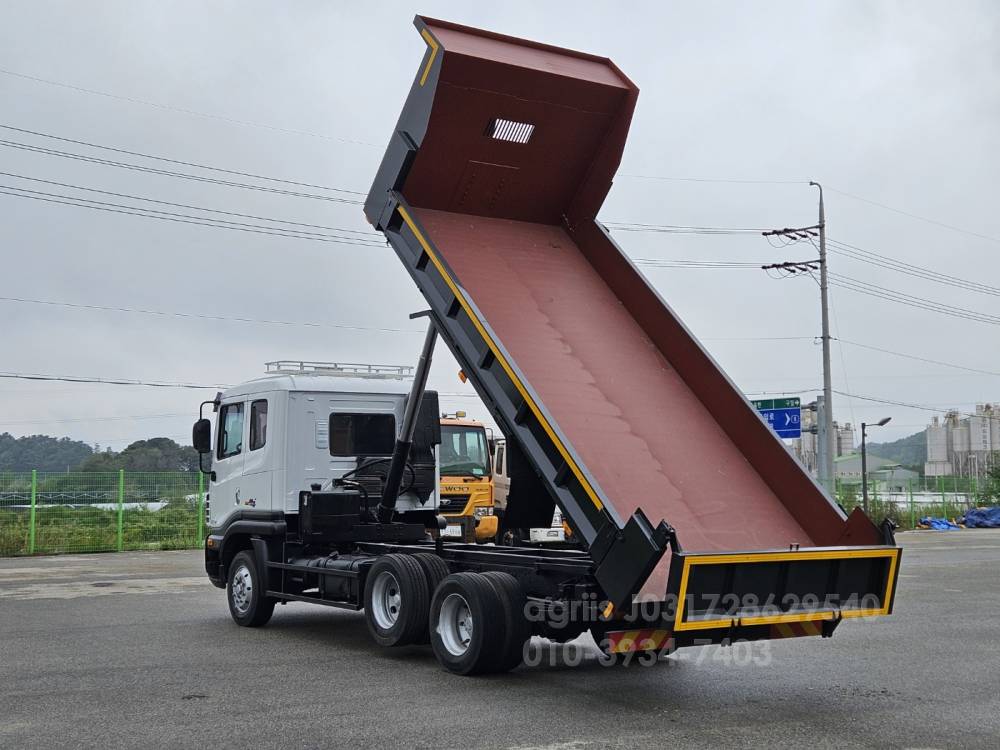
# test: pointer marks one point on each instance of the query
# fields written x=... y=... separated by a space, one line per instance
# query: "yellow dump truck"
x=466 y=480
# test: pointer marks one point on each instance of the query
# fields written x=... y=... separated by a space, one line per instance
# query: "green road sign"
x=777 y=403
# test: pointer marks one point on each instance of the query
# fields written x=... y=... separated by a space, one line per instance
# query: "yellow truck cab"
x=466 y=480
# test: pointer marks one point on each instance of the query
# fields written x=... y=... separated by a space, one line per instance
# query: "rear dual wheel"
x=477 y=623
x=396 y=600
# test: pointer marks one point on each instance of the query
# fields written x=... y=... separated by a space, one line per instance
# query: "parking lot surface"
x=137 y=649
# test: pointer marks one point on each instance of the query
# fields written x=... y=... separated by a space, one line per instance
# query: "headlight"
x=479 y=512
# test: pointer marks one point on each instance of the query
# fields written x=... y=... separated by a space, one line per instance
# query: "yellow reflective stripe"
x=892 y=582
x=500 y=358
x=682 y=596
x=432 y=43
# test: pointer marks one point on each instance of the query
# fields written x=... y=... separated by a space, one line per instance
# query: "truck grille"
x=453 y=503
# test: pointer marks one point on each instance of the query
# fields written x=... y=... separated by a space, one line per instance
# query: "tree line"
x=46 y=453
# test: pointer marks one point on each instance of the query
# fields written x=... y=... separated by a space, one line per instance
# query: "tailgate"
x=743 y=589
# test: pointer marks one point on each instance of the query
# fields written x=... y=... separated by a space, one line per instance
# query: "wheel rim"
x=455 y=624
x=241 y=589
x=387 y=601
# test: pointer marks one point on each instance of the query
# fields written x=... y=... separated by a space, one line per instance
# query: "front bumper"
x=213 y=560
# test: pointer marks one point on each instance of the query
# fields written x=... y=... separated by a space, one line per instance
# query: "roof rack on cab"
x=344 y=369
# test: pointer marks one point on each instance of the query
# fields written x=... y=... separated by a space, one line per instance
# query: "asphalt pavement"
x=137 y=649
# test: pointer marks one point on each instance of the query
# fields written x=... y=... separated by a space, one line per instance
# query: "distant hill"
x=41 y=452
x=155 y=454
x=62 y=454
x=910 y=451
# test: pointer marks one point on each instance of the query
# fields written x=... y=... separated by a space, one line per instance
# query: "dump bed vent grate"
x=508 y=130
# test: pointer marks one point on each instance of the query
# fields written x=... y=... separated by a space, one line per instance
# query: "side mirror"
x=201 y=436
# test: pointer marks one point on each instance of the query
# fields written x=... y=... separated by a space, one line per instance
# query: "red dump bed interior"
x=646 y=438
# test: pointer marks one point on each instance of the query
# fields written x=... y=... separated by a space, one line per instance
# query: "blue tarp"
x=983 y=518
x=938 y=524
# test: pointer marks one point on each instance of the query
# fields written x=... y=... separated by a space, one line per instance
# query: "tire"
x=245 y=589
x=435 y=570
x=396 y=600
x=517 y=629
x=467 y=624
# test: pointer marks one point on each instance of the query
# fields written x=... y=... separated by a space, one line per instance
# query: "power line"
x=910 y=300
x=624 y=226
x=305 y=323
x=919 y=359
x=201 y=221
x=916 y=216
x=655 y=263
x=151 y=384
x=178 y=161
x=765 y=338
x=713 y=179
x=171 y=173
x=884 y=261
x=197 y=316
x=363 y=234
x=87 y=420
x=106 y=381
x=922 y=407
x=900 y=211
x=157 y=105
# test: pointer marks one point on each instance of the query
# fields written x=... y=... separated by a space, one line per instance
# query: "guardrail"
x=54 y=512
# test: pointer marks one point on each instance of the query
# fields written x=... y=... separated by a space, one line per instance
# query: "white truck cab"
x=307 y=423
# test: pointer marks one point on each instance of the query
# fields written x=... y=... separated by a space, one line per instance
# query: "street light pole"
x=864 y=460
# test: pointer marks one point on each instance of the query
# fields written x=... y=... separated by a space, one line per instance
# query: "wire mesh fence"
x=50 y=512
x=907 y=503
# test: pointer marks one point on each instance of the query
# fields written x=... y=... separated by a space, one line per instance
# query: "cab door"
x=258 y=456
x=230 y=439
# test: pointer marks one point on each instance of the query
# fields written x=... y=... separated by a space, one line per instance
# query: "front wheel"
x=245 y=590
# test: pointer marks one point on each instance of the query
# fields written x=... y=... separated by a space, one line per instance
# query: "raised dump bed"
x=489 y=192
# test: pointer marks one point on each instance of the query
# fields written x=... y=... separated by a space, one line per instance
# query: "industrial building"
x=806 y=448
x=887 y=475
x=965 y=445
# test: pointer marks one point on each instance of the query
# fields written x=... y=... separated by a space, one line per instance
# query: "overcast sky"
x=894 y=102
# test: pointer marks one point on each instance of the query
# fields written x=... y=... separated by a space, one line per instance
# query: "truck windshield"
x=464 y=451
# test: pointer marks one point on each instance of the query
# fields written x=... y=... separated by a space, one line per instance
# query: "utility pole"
x=827 y=438
x=827 y=376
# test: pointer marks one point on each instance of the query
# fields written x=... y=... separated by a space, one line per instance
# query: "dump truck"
x=694 y=524
x=467 y=490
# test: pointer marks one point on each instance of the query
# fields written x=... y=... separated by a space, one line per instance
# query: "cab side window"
x=258 y=424
x=362 y=434
x=231 y=432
